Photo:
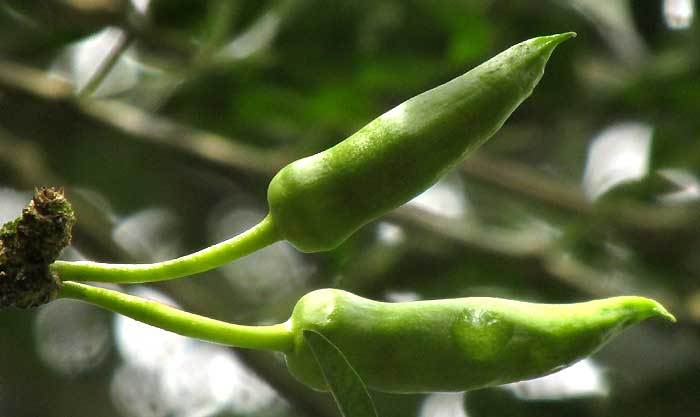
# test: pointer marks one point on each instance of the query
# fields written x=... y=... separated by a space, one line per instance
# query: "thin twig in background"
x=216 y=149
x=522 y=180
x=139 y=125
x=122 y=43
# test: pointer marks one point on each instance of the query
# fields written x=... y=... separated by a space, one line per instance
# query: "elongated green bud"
x=459 y=344
x=318 y=202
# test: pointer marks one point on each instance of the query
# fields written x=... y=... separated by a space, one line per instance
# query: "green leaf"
x=347 y=388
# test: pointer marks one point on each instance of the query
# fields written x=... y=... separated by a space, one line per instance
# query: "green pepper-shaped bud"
x=319 y=201
x=459 y=344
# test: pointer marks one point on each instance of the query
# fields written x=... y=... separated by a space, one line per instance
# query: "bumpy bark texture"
x=29 y=244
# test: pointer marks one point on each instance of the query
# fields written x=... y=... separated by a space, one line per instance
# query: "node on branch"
x=29 y=244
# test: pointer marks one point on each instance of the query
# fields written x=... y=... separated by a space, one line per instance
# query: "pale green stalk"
x=275 y=337
x=256 y=238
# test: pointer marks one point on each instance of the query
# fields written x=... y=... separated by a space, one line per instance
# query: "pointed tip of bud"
x=558 y=38
x=646 y=307
x=549 y=42
x=661 y=311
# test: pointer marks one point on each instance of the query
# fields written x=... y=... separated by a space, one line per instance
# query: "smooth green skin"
x=319 y=201
x=455 y=345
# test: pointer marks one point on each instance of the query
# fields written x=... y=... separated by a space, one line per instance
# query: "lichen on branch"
x=29 y=244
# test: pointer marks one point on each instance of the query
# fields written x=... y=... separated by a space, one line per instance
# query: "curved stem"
x=258 y=237
x=276 y=337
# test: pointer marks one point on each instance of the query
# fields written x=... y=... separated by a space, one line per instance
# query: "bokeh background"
x=165 y=120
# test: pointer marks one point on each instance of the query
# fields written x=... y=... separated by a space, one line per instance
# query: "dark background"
x=590 y=190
